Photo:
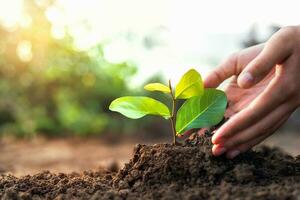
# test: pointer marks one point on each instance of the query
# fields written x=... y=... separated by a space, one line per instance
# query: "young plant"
x=202 y=107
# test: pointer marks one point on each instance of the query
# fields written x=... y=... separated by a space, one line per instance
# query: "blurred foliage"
x=48 y=86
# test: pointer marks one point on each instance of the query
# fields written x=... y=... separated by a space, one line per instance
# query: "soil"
x=165 y=171
x=21 y=157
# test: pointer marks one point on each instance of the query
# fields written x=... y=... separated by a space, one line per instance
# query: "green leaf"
x=157 y=87
x=138 y=107
x=189 y=86
x=201 y=111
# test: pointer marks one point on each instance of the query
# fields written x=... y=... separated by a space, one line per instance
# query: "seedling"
x=202 y=107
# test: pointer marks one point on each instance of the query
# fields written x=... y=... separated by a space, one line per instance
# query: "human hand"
x=263 y=94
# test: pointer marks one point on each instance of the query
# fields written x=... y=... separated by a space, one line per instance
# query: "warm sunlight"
x=149 y=99
x=183 y=33
x=11 y=13
x=24 y=51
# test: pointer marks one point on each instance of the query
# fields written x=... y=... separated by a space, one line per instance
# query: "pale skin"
x=263 y=93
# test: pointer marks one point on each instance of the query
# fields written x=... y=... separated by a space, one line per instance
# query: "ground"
x=164 y=171
x=22 y=157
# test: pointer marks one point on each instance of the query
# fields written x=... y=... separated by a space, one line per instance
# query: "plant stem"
x=173 y=114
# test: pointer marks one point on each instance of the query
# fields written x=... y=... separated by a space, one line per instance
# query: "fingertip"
x=211 y=80
x=209 y=84
x=216 y=138
x=245 y=80
x=218 y=150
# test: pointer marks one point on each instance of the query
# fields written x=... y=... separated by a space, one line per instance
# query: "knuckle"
x=244 y=147
x=234 y=142
x=232 y=58
x=232 y=61
x=230 y=144
x=217 y=74
x=257 y=68
x=286 y=33
x=289 y=31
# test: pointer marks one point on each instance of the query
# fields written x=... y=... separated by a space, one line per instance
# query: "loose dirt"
x=164 y=171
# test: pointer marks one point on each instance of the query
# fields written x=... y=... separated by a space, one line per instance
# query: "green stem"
x=173 y=114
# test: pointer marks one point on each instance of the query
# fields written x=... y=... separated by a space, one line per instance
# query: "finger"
x=257 y=109
x=263 y=126
x=219 y=149
x=276 y=50
x=247 y=146
x=232 y=66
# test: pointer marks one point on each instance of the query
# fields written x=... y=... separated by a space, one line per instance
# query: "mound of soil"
x=165 y=171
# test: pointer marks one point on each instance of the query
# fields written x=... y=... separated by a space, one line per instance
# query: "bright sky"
x=190 y=33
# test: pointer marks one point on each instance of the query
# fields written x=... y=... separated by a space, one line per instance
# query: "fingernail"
x=246 y=78
x=213 y=139
x=216 y=138
x=219 y=151
x=232 y=154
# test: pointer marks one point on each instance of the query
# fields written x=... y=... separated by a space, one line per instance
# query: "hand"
x=264 y=92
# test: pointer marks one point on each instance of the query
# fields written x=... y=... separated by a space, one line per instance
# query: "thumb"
x=275 y=52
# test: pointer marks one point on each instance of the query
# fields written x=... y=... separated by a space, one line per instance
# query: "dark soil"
x=165 y=171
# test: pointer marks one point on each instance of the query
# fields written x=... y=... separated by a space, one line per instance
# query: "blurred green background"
x=48 y=86
x=51 y=85
x=63 y=61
